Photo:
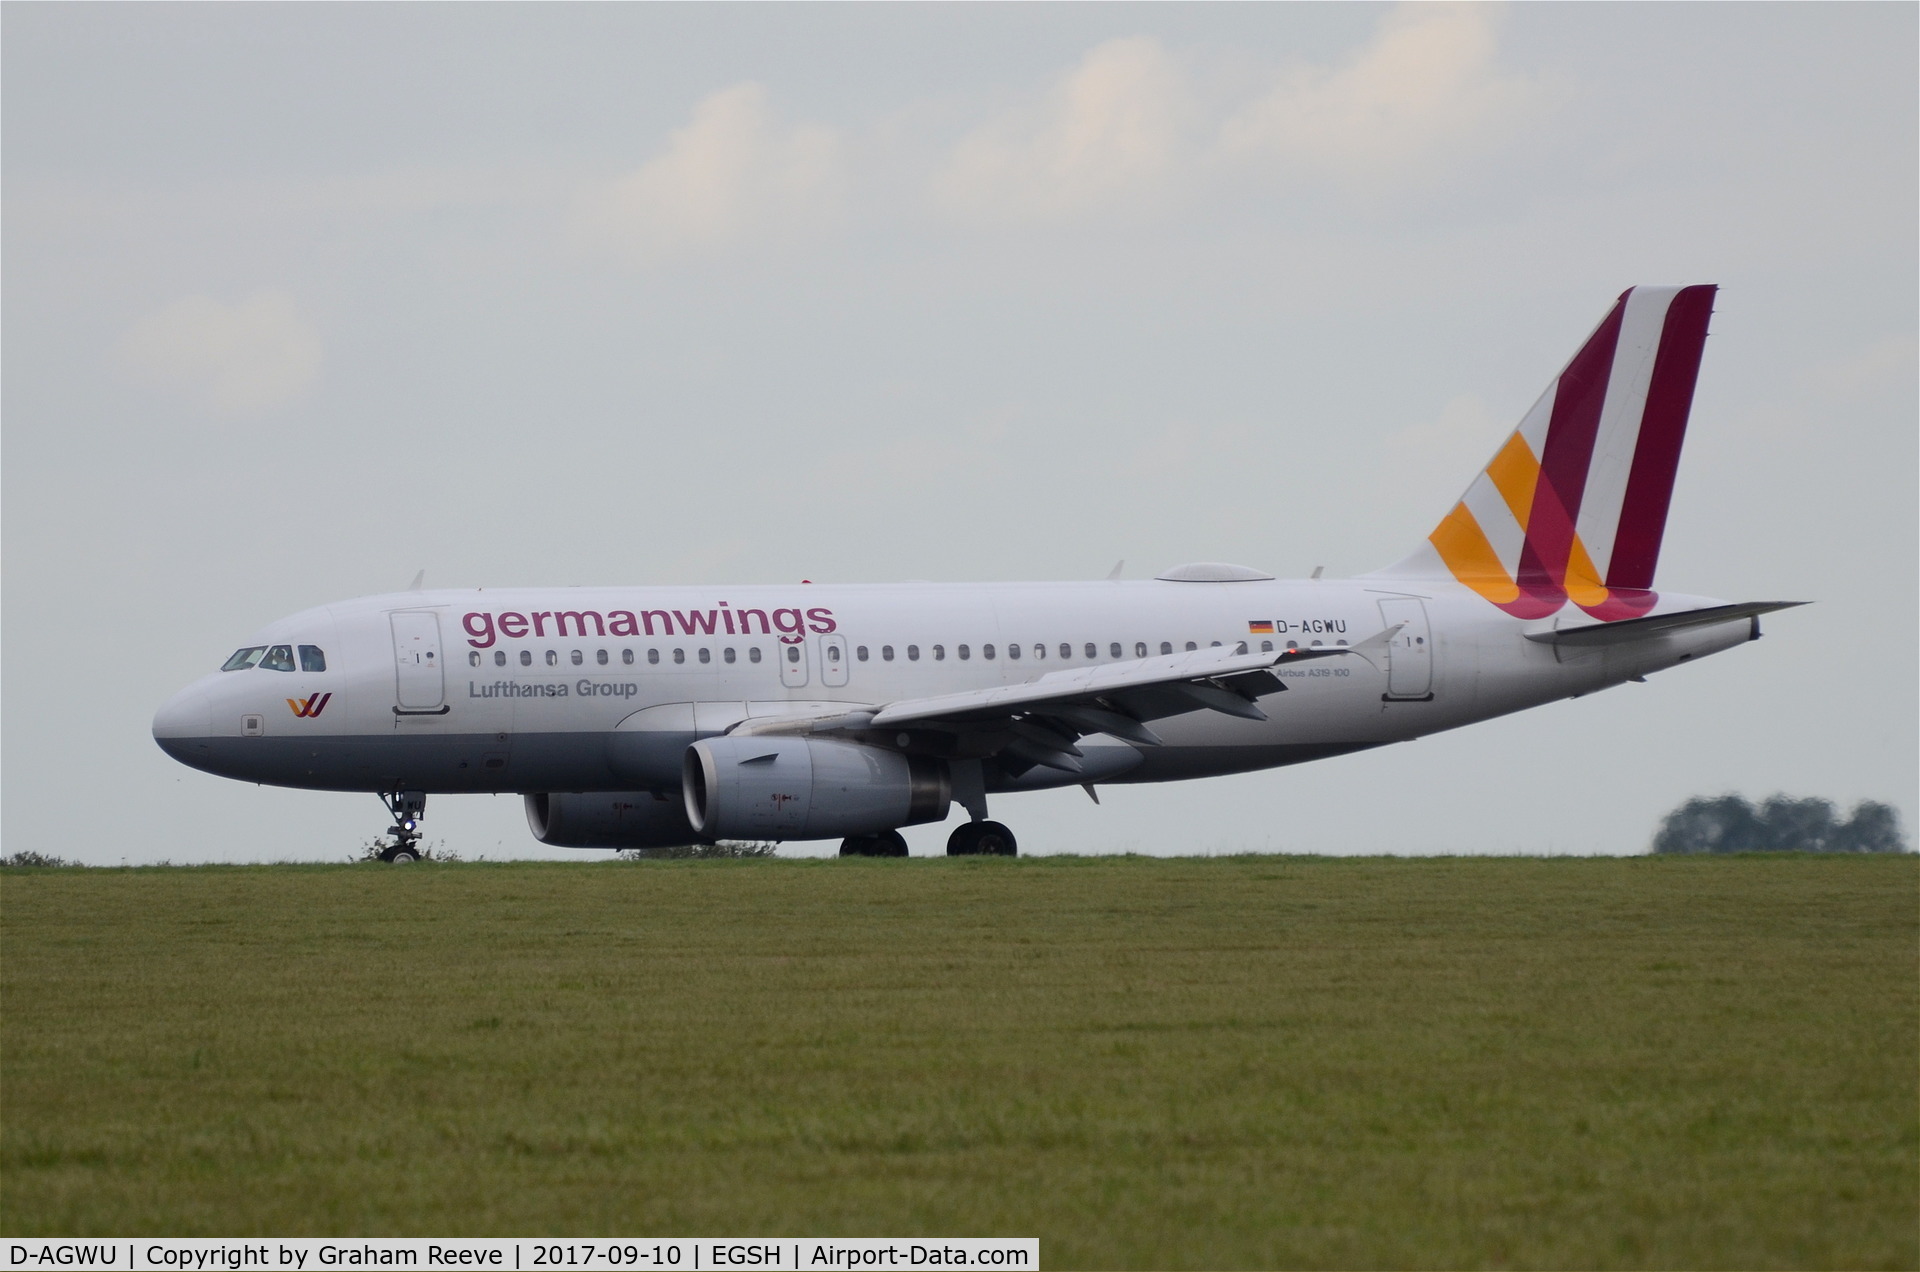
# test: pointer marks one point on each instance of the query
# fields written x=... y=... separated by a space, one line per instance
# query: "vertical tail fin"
x=1574 y=505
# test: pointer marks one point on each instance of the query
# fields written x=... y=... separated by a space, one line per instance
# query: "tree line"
x=1729 y=823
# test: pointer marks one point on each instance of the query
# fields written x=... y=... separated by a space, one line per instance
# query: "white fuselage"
x=586 y=689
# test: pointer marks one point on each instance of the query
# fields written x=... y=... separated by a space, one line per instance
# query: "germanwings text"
x=790 y=625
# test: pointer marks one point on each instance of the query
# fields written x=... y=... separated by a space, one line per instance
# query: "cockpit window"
x=312 y=659
x=279 y=658
x=244 y=658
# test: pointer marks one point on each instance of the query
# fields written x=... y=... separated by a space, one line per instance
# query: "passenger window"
x=706 y=655
x=626 y=656
x=311 y=659
x=939 y=652
x=1266 y=646
x=1013 y=652
x=1241 y=648
x=1191 y=646
x=243 y=658
x=279 y=658
x=727 y=654
x=553 y=658
x=1039 y=651
x=1293 y=644
x=1213 y=644
x=473 y=659
x=833 y=653
x=962 y=651
x=600 y=656
x=679 y=655
x=886 y=653
x=578 y=658
x=986 y=651
x=653 y=658
x=1113 y=650
x=526 y=658
x=860 y=652
x=1093 y=650
x=753 y=654
x=913 y=653
x=793 y=653
x=1166 y=647
x=1066 y=650
x=499 y=657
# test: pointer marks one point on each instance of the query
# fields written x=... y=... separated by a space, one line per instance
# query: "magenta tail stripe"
x=1578 y=398
x=1656 y=457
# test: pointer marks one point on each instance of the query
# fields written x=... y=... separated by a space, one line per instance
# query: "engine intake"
x=807 y=788
x=608 y=819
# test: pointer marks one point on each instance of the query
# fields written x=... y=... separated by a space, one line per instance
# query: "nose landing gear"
x=408 y=809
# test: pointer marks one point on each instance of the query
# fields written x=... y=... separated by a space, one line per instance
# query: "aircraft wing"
x=1039 y=720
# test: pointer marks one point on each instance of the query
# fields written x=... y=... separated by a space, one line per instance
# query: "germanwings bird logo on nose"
x=309 y=708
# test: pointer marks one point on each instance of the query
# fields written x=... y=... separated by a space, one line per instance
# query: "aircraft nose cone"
x=183 y=726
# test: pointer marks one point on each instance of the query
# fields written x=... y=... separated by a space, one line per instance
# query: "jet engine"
x=609 y=819
x=807 y=788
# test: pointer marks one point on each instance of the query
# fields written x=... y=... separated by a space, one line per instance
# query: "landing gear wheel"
x=407 y=807
x=889 y=843
x=982 y=839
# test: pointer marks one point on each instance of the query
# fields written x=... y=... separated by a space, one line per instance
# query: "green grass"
x=1171 y=1063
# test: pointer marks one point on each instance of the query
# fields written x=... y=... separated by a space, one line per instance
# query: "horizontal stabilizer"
x=1632 y=629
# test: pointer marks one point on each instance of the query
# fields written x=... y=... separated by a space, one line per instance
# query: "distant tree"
x=30 y=858
x=725 y=848
x=1875 y=827
x=1728 y=823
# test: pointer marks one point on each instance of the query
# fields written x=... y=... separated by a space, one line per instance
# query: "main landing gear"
x=890 y=844
x=982 y=839
x=408 y=808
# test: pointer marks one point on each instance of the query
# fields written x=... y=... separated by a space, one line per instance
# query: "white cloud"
x=1109 y=128
x=237 y=360
x=732 y=173
x=1422 y=91
x=1129 y=124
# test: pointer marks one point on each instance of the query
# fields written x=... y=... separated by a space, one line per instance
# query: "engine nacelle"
x=609 y=819
x=807 y=788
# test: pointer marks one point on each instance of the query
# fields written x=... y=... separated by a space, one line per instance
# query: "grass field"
x=1240 y=1062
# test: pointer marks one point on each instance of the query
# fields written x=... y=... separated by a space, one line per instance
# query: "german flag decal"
x=1260 y=626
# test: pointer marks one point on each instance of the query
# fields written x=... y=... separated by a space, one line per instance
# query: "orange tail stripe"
x=1583 y=581
x=1463 y=546
x=1515 y=473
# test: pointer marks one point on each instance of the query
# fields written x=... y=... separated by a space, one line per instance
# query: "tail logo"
x=1574 y=506
x=310 y=708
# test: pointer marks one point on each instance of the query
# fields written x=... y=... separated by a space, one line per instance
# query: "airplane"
x=648 y=717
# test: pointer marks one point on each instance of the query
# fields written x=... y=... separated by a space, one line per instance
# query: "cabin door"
x=419 y=684
x=1410 y=656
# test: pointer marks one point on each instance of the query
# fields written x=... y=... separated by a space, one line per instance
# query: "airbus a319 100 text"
x=637 y=717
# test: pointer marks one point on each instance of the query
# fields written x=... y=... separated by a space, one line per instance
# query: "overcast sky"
x=300 y=299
